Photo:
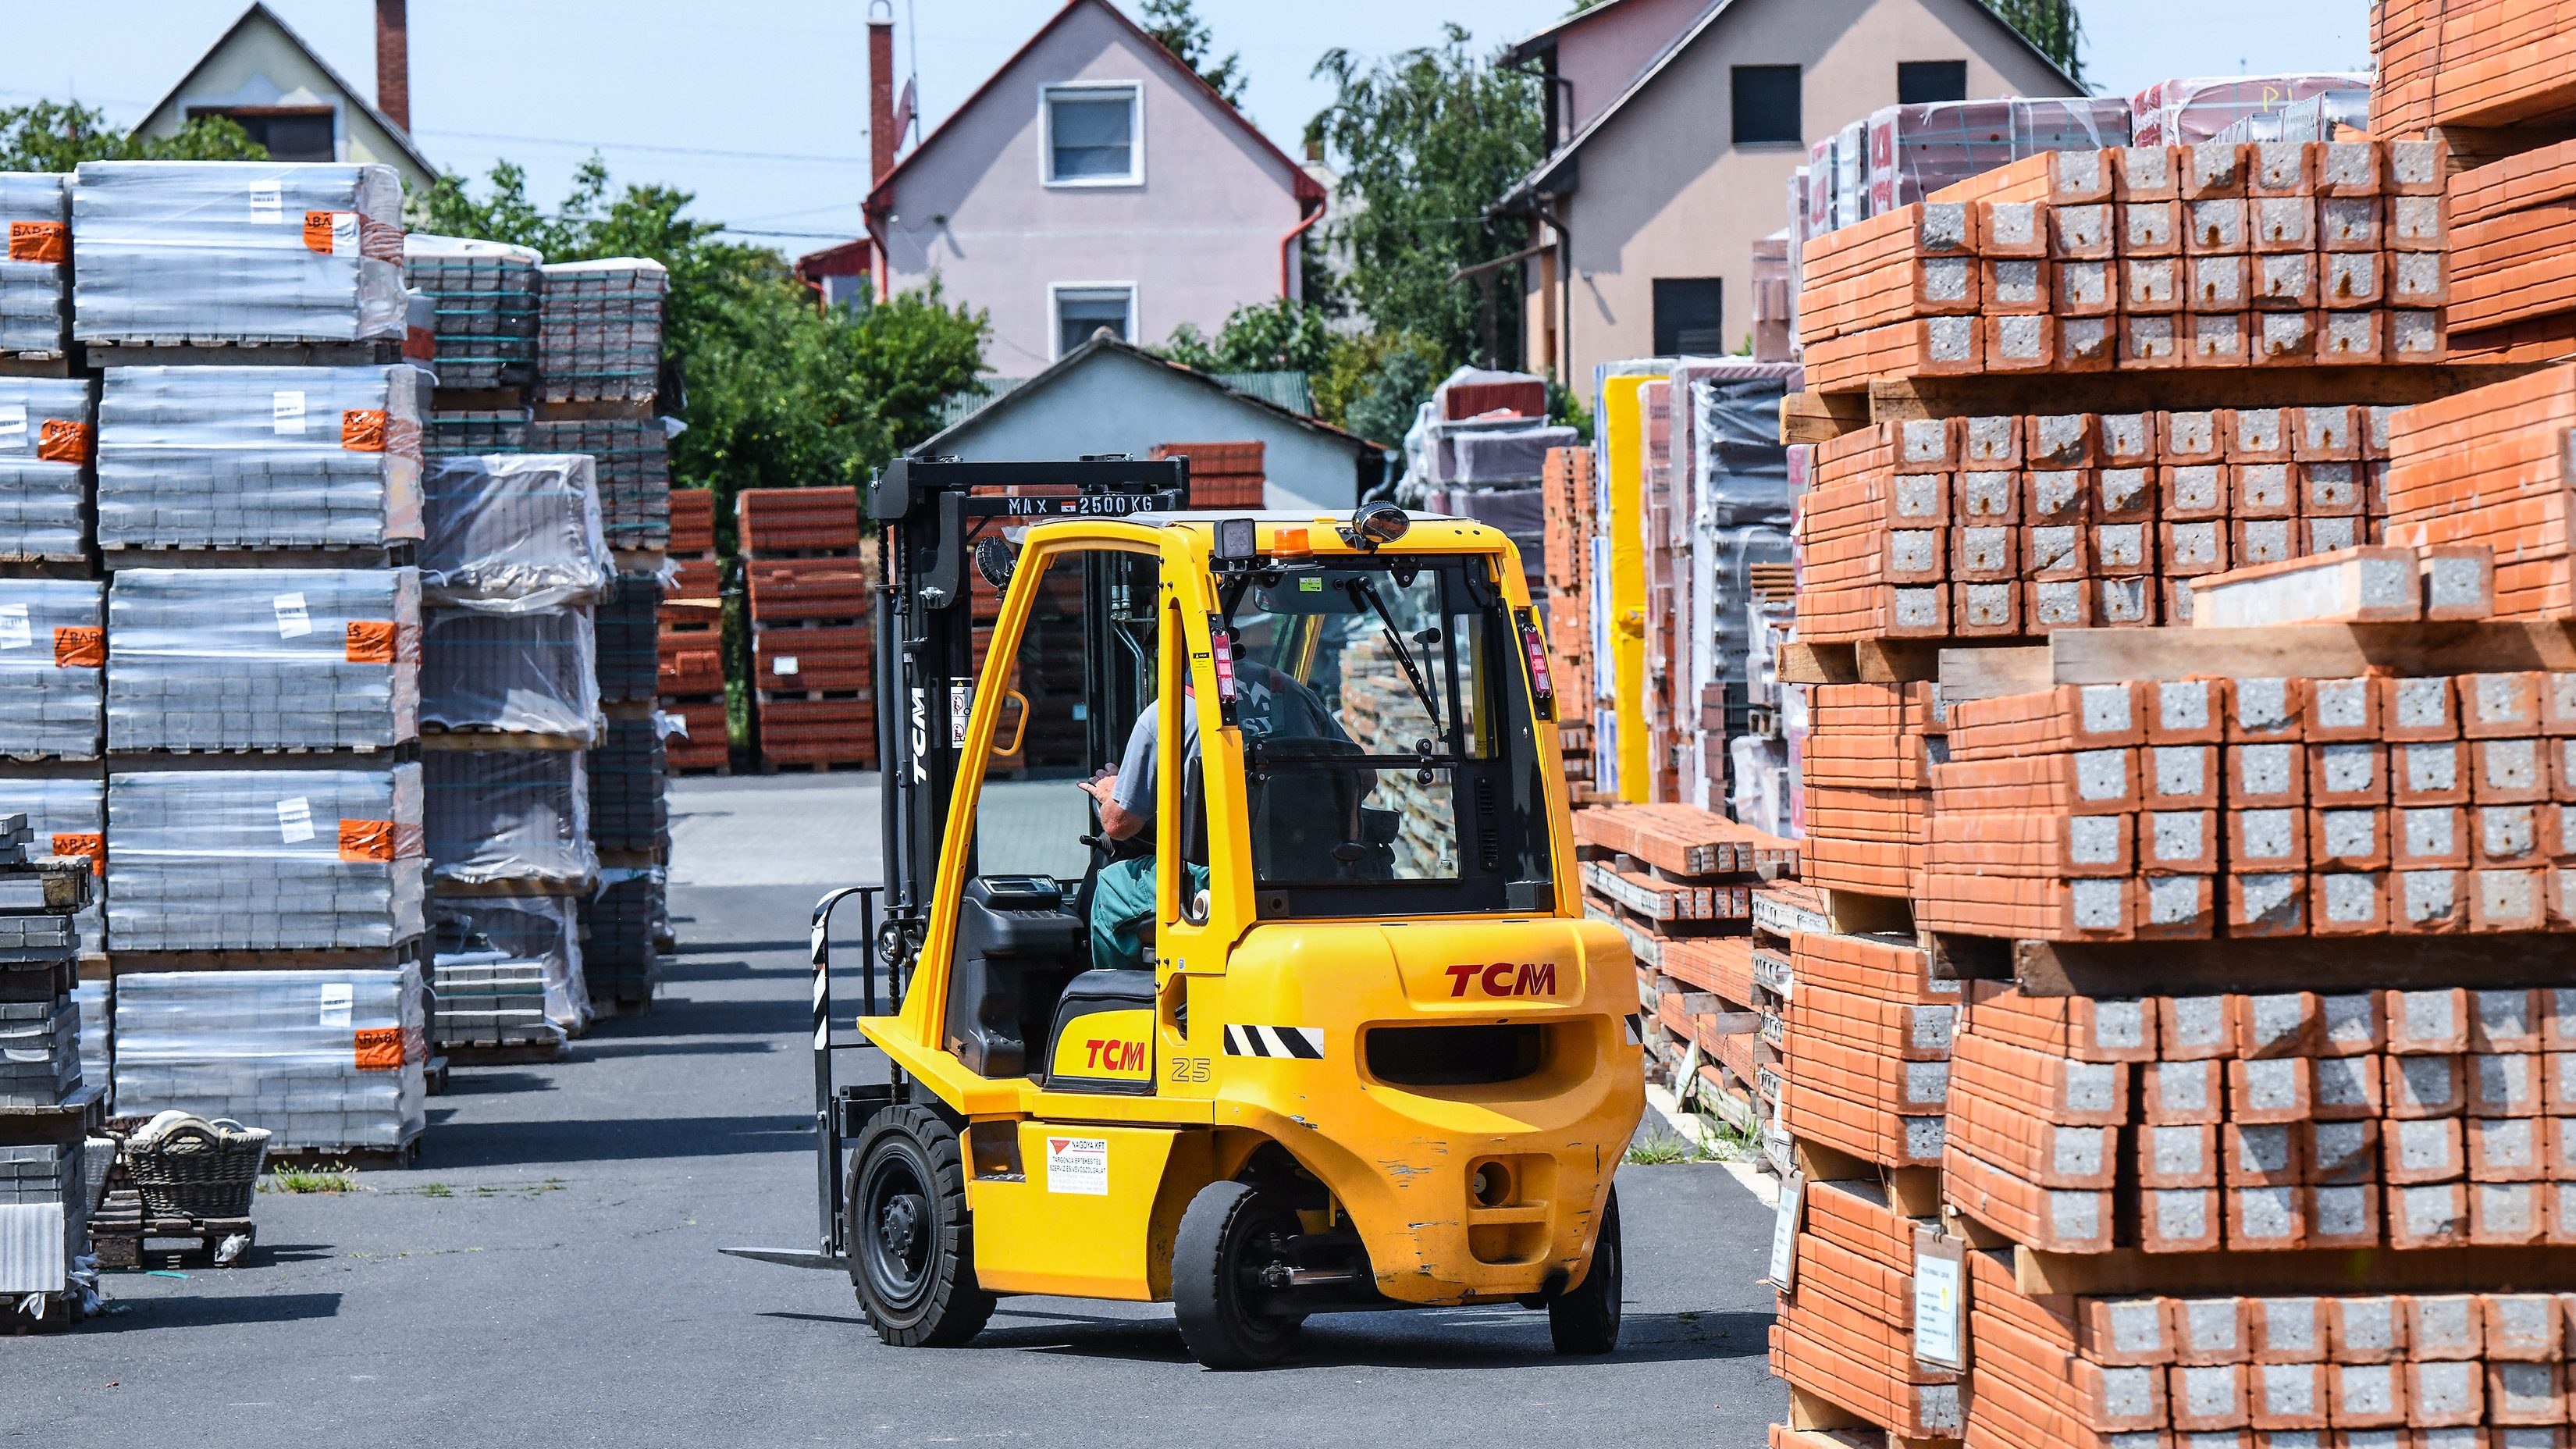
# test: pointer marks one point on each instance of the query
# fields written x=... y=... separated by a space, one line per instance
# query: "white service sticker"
x=1078 y=1165
x=338 y=998
x=783 y=664
x=294 y=620
x=1937 y=1303
x=295 y=820
x=344 y=233
x=286 y=413
x=13 y=426
x=267 y=201
x=14 y=633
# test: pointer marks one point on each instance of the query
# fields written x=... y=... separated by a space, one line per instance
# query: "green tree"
x=779 y=393
x=60 y=135
x=1277 y=336
x=2052 y=25
x=1178 y=27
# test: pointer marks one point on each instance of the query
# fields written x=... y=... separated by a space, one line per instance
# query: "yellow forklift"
x=1348 y=1043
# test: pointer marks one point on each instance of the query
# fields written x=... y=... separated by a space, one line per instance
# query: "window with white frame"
x=1094 y=134
x=1081 y=311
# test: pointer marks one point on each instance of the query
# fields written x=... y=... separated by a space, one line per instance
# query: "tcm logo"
x=1114 y=1056
x=920 y=734
x=1505 y=979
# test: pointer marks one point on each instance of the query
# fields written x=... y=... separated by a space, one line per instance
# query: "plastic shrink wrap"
x=322 y=1058
x=35 y=212
x=521 y=815
x=259 y=457
x=1918 y=149
x=628 y=629
x=498 y=939
x=511 y=532
x=2187 y=111
x=600 y=330
x=484 y=296
x=68 y=817
x=259 y=659
x=168 y=252
x=52 y=651
x=533 y=673
x=634 y=468
x=48 y=438
x=207 y=860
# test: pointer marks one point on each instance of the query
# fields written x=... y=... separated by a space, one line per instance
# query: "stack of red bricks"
x=2139 y=257
x=1866 y=777
x=2259 y=807
x=1571 y=514
x=2491 y=467
x=692 y=637
x=1679 y=882
x=1222 y=475
x=2481 y=63
x=811 y=613
x=2006 y=526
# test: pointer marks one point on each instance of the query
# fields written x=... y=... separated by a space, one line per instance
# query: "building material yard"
x=555 y=1249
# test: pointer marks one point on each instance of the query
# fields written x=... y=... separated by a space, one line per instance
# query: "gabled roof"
x=1537 y=41
x=1560 y=163
x=1101 y=343
x=260 y=11
x=1308 y=190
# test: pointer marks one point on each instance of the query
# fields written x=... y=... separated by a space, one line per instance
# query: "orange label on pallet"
x=372 y=642
x=61 y=440
x=93 y=846
x=332 y=233
x=362 y=430
x=79 y=647
x=39 y=241
x=366 y=840
x=379 y=1049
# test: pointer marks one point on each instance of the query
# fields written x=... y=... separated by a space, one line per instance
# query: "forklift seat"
x=1104 y=1033
x=1017 y=945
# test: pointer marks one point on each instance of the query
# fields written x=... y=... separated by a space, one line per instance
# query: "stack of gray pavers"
x=513 y=566
x=35 y=272
x=484 y=298
x=258 y=495
x=45 y=1195
x=633 y=455
x=48 y=436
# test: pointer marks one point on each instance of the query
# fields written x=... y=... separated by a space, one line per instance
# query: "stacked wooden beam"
x=2222 y=254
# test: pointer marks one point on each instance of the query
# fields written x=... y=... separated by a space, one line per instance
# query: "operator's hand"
x=1102 y=788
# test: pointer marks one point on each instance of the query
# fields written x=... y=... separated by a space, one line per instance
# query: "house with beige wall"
x=264 y=77
x=1660 y=183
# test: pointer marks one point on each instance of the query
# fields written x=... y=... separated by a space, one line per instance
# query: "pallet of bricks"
x=811 y=607
x=257 y=503
x=1679 y=882
x=53 y=1162
x=1571 y=514
x=2244 y=1136
x=514 y=565
x=689 y=642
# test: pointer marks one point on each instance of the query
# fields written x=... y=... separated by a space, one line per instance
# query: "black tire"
x=912 y=1246
x=1585 y=1320
x=1226 y=1239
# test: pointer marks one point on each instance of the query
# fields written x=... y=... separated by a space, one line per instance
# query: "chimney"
x=393 y=63
x=881 y=136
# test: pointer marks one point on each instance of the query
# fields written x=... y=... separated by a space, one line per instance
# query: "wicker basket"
x=198 y=1169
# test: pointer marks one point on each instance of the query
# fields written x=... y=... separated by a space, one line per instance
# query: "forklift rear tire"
x=912 y=1246
x=1586 y=1320
x=1228 y=1240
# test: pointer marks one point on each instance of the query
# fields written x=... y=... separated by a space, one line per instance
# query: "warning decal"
x=1078 y=1165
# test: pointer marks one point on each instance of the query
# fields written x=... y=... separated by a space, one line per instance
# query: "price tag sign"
x=286 y=413
x=1784 y=1232
x=1940 y=1300
x=784 y=665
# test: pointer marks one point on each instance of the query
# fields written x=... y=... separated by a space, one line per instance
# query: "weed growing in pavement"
x=1662 y=1149
x=436 y=1189
x=337 y=1177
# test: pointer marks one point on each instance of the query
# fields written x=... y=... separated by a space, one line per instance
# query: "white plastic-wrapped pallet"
x=513 y=532
x=522 y=673
x=67 y=817
x=92 y=999
x=496 y=815
x=48 y=435
x=259 y=457
x=35 y=209
x=251 y=659
x=168 y=252
x=207 y=860
x=321 y=1058
x=545 y=930
x=51 y=654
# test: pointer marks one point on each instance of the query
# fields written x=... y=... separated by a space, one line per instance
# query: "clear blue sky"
x=654 y=84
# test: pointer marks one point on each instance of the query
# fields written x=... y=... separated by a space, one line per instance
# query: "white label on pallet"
x=1784 y=1234
x=295 y=820
x=13 y=426
x=344 y=233
x=294 y=620
x=784 y=664
x=267 y=202
x=14 y=633
x=338 y=998
x=286 y=413
x=1940 y=1300
x=1078 y=1165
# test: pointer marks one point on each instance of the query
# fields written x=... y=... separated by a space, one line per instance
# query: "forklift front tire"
x=1231 y=1235
x=1586 y=1320
x=912 y=1253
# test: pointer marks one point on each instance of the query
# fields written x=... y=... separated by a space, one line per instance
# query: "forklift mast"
x=931 y=515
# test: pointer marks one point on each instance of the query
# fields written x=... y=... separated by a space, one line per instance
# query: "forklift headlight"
x=1236 y=541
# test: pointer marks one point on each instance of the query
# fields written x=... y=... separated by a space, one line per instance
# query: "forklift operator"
x=1273 y=704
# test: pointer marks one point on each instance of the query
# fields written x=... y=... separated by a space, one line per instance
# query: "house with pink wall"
x=1093 y=181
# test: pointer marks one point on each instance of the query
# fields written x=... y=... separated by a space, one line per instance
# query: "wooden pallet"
x=1821 y=417
x=346 y=958
x=512 y=1054
x=225 y=352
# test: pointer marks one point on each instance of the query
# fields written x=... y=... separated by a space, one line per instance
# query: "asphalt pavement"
x=549 y=1272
